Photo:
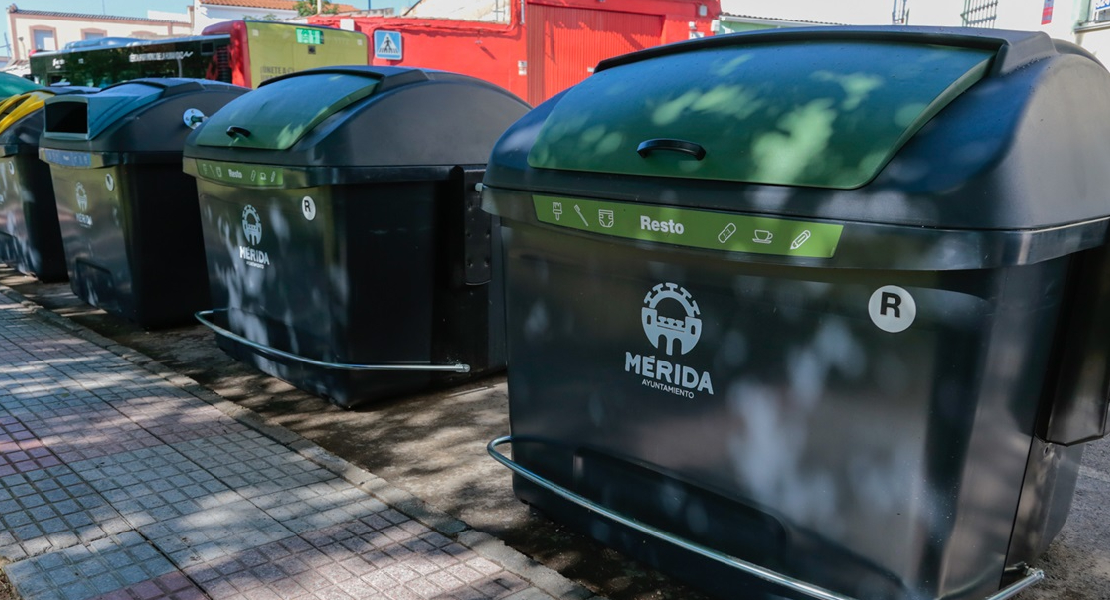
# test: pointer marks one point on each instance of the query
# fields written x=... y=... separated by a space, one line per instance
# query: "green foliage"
x=307 y=8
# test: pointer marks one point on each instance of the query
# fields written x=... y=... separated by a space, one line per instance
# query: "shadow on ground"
x=431 y=445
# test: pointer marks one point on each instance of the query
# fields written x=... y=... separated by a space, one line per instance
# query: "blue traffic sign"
x=387 y=45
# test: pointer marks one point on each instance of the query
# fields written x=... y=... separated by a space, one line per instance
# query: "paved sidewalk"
x=116 y=482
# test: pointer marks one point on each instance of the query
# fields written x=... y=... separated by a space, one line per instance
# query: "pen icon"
x=801 y=239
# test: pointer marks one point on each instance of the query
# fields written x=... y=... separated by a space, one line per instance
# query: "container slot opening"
x=67 y=117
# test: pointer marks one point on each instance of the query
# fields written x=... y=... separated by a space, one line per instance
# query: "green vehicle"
x=241 y=52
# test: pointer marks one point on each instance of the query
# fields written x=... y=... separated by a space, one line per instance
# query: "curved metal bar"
x=797 y=585
x=202 y=317
x=1032 y=576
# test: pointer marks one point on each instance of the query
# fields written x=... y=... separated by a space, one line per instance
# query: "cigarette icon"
x=801 y=239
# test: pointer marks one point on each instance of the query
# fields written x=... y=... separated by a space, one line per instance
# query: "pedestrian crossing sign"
x=387 y=45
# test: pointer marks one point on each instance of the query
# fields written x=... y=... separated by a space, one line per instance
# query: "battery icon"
x=726 y=233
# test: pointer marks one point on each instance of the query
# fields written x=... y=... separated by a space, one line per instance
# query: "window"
x=43 y=39
x=93 y=34
x=979 y=13
x=1100 y=10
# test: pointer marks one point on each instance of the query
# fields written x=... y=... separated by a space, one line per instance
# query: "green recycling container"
x=813 y=313
x=128 y=216
x=347 y=250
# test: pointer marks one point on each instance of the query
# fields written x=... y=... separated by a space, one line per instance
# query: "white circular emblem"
x=82 y=197
x=193 y=117
x=252 y=225
x=892 y=309
x=686 y=331
x=308 y=207
x=109 y=182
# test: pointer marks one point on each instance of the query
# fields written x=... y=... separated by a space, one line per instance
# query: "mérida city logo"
x=252 y=230
x=674 y=336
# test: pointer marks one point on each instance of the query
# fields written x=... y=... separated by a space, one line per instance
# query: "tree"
x=307 y=8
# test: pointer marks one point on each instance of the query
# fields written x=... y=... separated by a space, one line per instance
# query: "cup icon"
x=762 y=236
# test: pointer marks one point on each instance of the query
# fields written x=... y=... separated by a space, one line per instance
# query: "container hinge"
x=477 y=231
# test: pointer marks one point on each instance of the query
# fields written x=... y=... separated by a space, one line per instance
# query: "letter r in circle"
x=891 y=301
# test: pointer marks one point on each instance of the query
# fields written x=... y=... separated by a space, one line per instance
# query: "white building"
x=207 y=12
x=49 y=30
x=1060 y=19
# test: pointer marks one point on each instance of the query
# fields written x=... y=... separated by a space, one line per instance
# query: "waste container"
x=347 y=250
x=30 y=240
x=128 y=215
x=812 y=313
x=14 y=85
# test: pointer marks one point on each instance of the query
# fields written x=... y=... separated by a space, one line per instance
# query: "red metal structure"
x=547 y=45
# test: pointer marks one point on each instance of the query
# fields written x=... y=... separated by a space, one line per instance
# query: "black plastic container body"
x=879 y=388
x=375 y=282
x=354 y=259
x=800 y=436
x=129 y=222
x=30 y=240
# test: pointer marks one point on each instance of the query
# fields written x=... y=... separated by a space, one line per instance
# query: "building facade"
x=1062 y=19
x=208 y=12
x=33 y=30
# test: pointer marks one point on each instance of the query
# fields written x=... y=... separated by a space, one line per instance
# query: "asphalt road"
x=433 y=446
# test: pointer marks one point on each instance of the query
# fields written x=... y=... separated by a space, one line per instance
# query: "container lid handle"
x=648 y=146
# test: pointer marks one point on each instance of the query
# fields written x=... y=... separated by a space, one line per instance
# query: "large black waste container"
x=347 y=249
x=30 y=240
x=128 y=215
x=822 y=306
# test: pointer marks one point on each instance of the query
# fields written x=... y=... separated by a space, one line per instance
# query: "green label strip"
x=241 y=174
x=688 y=227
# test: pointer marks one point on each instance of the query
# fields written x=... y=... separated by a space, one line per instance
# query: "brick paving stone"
x=85 y=571
x=253 y=464
x=156 y=484
x=87 y=434
x=117 y=485
x=317 y=506
x=50 y=509
x=173 y=586
x=21 y=451
x=214 y=534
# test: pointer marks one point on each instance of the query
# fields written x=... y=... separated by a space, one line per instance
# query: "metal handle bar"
x=1031 y=576
x=235 y=130
x=202 y=317
x=682 y=146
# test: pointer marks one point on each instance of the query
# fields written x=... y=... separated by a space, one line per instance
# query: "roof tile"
x=271 y=4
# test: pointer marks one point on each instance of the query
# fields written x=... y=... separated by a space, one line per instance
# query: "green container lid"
x=13 y=85
x=281 y=111
x=826 y=114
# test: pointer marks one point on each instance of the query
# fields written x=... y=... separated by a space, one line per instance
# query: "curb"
x=487 y=546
